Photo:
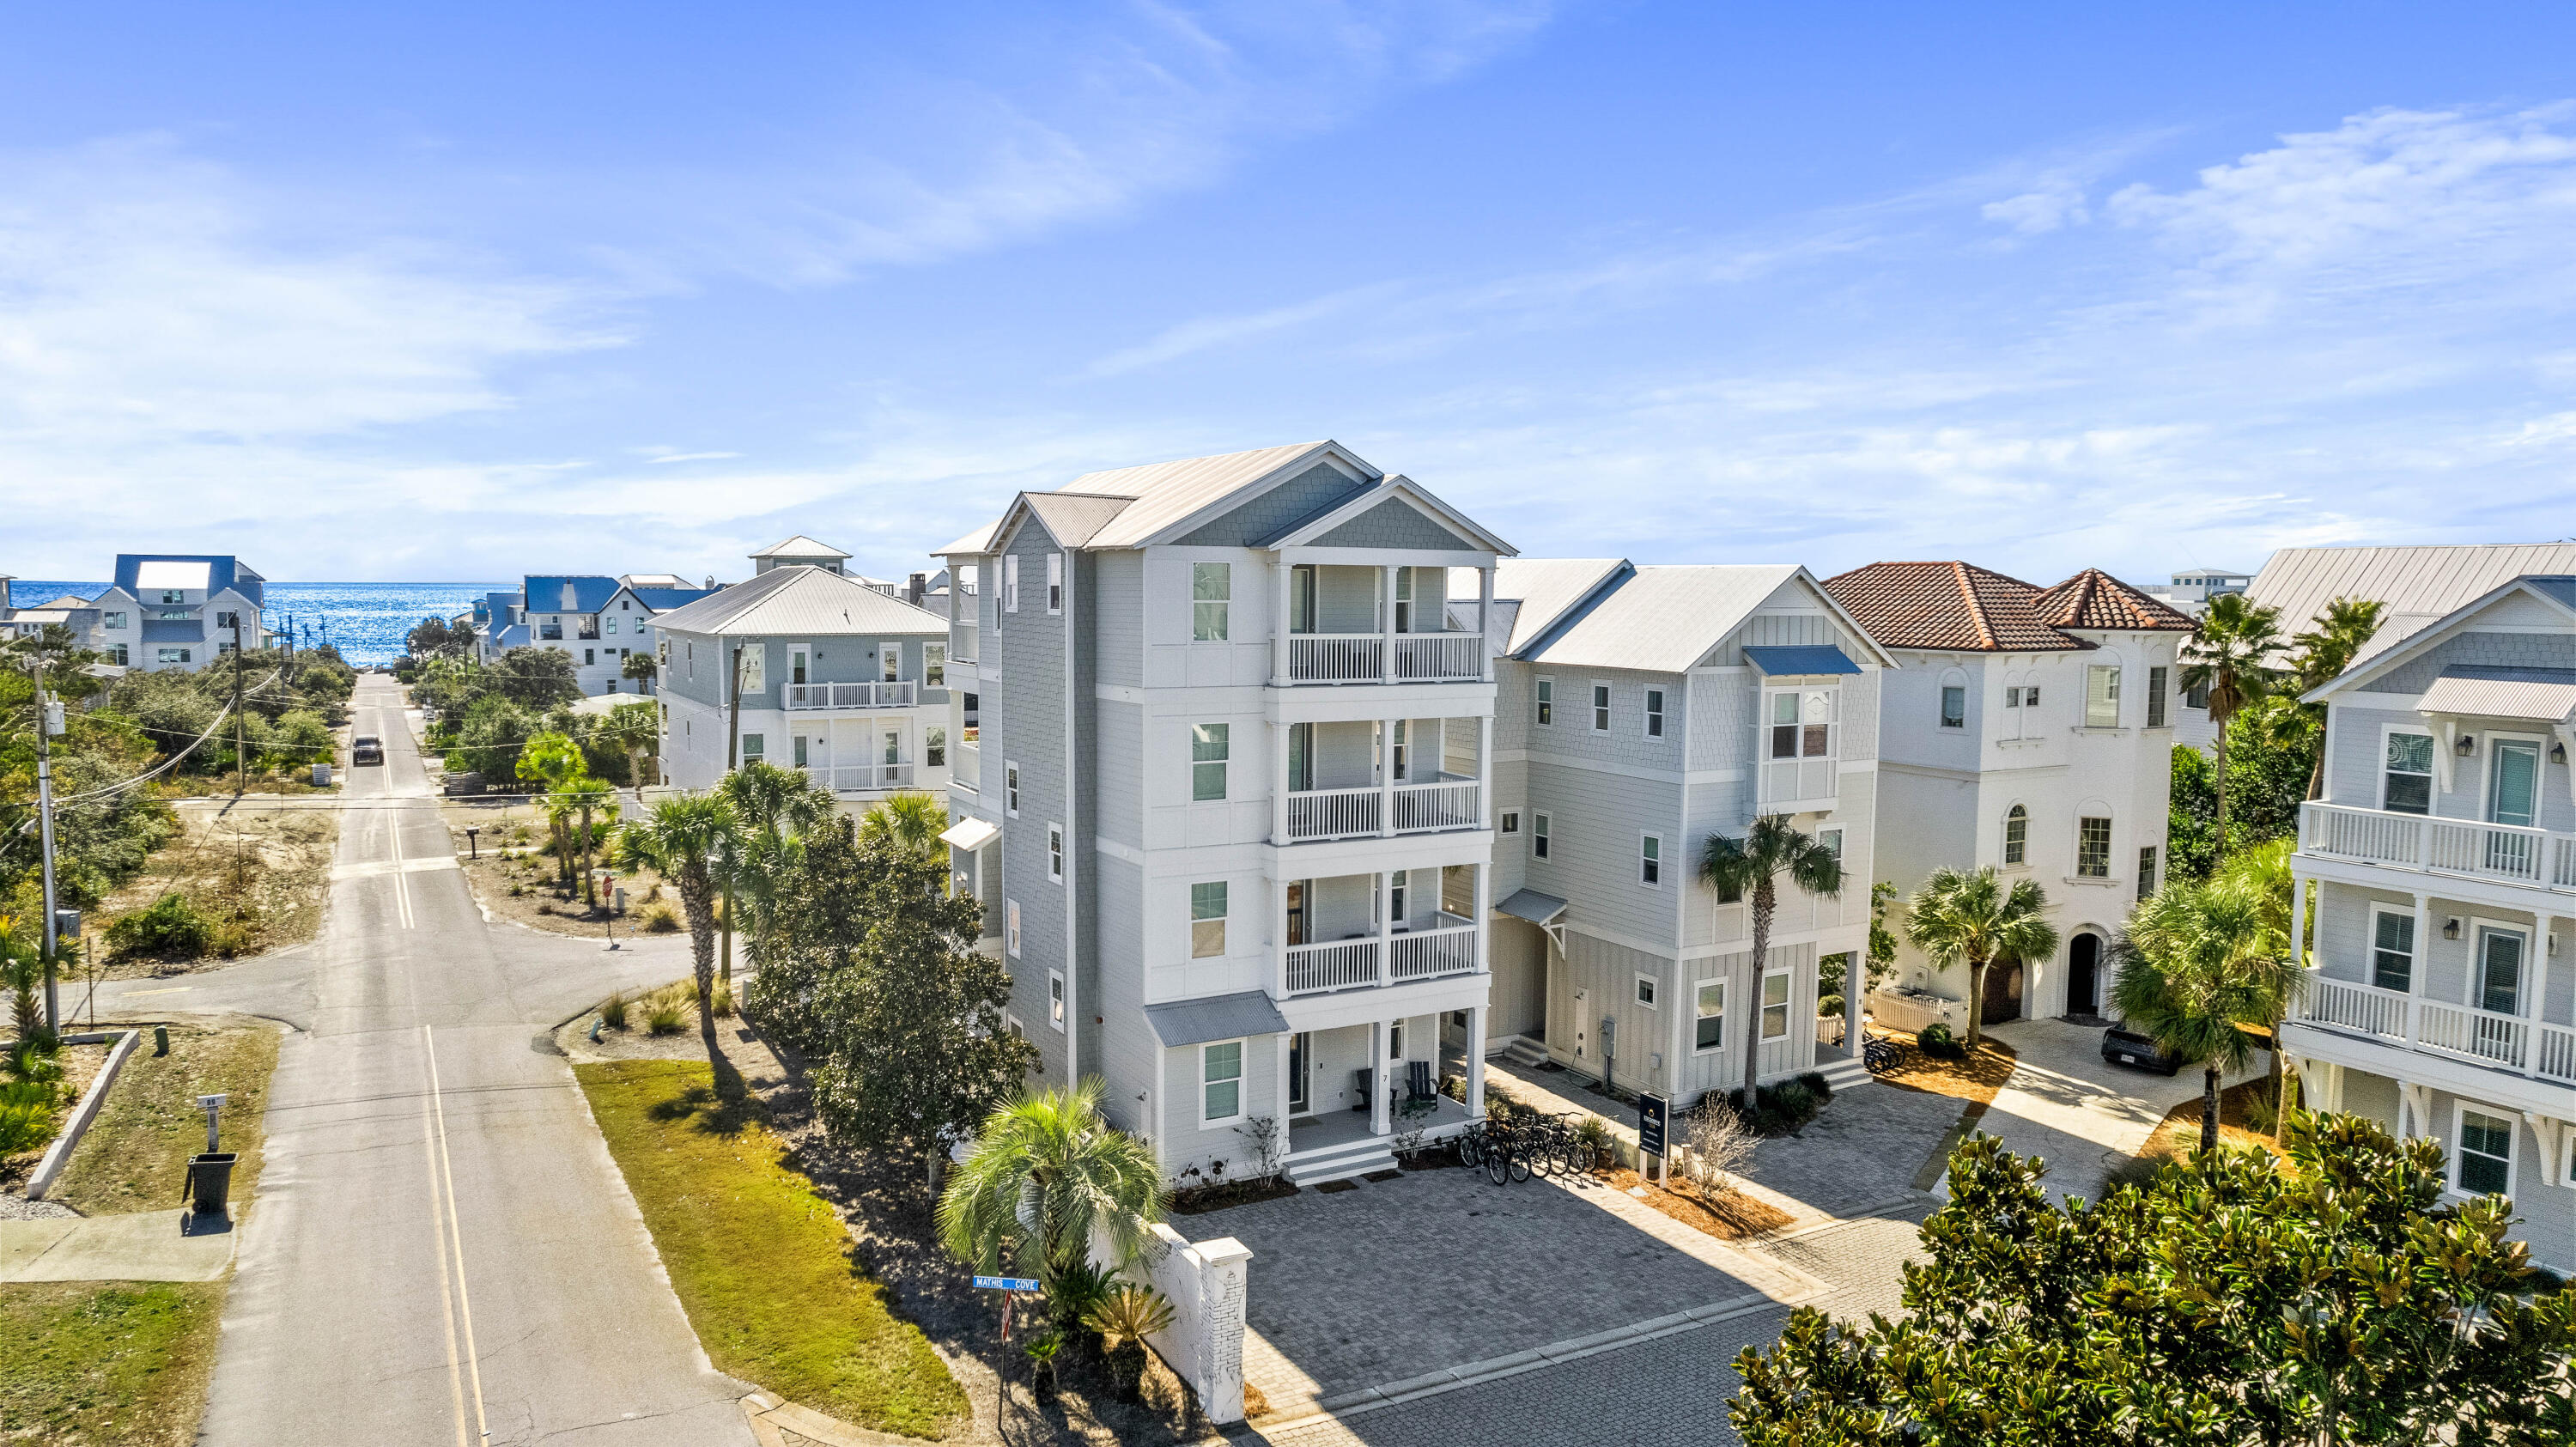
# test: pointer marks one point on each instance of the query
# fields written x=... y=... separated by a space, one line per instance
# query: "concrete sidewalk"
x=149 y=1246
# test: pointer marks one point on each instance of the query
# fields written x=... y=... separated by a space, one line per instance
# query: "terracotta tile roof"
x=2096 y=600
x=1965 y=608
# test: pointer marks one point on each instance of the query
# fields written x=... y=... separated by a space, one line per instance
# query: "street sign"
x=1006 y=1283
x=1654 y=1114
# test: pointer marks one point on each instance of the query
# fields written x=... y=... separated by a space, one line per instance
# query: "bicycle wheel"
x=1521 y=1165
x=1471 y=1150
x=1498 y=1163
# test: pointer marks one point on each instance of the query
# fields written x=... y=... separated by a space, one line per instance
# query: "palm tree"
x=2333 y=639
x=1751 y=867
x=910 y=818
x=553 y=759
x=681 y=840
x=1973 y=918
x=1046 y=1174
x=2265 y=871
x=2229 y=653
x=775 y=807
x=2193 y=967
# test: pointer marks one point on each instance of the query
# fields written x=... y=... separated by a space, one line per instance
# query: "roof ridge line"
x=1976 y=605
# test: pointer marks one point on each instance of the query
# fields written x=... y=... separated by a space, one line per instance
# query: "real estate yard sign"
x=1654 y=1114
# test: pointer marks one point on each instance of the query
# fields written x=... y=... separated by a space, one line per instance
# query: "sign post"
x=1012 y=1289
x=1654 y=1121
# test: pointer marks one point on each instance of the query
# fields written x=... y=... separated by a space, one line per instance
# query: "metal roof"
x=2523 y=693
x=1782 y=661
x=211 y=572
x=801 y=601
x=1169 y=492
x=1223 y=1017
x=1661 y=619
x=566 y=593
x=1533 y=906
x=2419 y=586
x=800 y=546
x=1074 y=518
x=1545 y=588
x=663 y=600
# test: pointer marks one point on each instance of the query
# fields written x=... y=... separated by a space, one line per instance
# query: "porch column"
x=1279 y=619
x=1855 y=979
x=1484 y=911
x=1386 y=625
x=1378 y=1064
x=2298 y=922
x=2415 y=977
x=1386 y=775
x=1476 y=1062
x=1485 y=770
x=1385 y=887
x=1279 y=944
x=2540 y=926
x=1484 y=612
x=1281 y=1113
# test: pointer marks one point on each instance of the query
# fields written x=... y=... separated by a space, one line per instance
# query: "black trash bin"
x=210 y=1182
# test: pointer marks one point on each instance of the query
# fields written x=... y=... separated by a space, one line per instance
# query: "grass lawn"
x=135 y=1157
x=759 y=1261
x=119 y=1362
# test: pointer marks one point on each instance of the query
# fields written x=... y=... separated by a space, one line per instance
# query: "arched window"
x=2016 y=834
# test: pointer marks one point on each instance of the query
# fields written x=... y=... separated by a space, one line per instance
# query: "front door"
x=796 y=658
x=2499 y=989
x=2003 y=992
x=1301 y=1057
x=2513 y=797
x=2083 y=961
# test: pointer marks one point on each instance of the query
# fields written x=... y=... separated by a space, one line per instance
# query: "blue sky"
x=463 y=291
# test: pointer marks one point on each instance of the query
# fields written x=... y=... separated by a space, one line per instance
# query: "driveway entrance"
x=2080 y=1113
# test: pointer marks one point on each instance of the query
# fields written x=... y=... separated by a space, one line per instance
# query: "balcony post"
x=1385 y=886
x=1485 y=770
x=1386 y=625
x=1484 y=907
x=1484 y=652
x=1476 y=1062
x=1279 y=782
x=2416 y=970
x=1377 y=1077
x=1279 y=952
x=1282 y=574
x=1386 y=776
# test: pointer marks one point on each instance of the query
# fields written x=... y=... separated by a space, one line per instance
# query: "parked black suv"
x=366 y=749
x=2124 y=1046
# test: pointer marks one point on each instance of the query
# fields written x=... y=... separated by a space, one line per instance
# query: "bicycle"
x=1879 y=1055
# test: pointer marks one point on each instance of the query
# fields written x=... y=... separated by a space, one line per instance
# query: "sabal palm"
x=1972 y=917
x=2194 y=965
x=774 y=807
x=2334 y=638
x=1047 y=1173
x=2265 y=871
x=911 y=818
x=1750 y=868
x=2229 y=653
x=680 y=840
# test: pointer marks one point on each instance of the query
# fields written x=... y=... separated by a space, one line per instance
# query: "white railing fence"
x=853 y=778
x=1335 y=657
x=1436 y=656
x=1445 y=805
x=1426 y=954
x=1332 y=814
x=1340 y=965
x=2488 y=1037
x=898 y=694
x=2506 y=852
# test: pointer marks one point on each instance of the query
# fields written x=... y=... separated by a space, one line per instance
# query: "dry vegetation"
x=1974 y=1079
x=514 y=879
x=258 y=869
x=1726 y=1215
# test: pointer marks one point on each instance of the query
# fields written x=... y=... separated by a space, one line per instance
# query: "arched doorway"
x=2083 y=974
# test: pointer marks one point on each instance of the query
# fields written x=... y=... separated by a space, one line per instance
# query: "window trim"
x=1699 y=990
x=1010 y=582
x=2480 y=926
x=1223 y=743
x=1650 y=860
x=2490 y=755
x=1055 y=583
x=1647 y=992
x=1241 y=1078
x=1545 y=695
x=1011 y=788
x=934 y=665
x=2110 y=843
x=1542 y=837
x=1788 y=1003
x=2159 y=701
x=2016 y=852
x=1011 y=927
x=1839 y=837
x=1654 y=724
x=2460 y=1110
x=1224 y=945
x=2414 y=947
x=1224 y=607
x=2092 y=673
x=1509 y=822
x=2147 y=862
x=1942 y=705
x=1599 y=703
x=2431 y=775
x=1055 y=852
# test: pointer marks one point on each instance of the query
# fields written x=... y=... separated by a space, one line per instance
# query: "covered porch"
x=1352 y=1089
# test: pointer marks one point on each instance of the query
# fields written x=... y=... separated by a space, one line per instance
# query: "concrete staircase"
x=1525 y=1052
x=1339 y=1162
x=1845 y=1074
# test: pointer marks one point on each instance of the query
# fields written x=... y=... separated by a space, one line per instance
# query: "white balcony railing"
x=1336 y=657
x=966 y=766
x=856 y=778
x=1333 y=814
x=2507 y=1042
x=2505 y=853
x=1438 y=657
x=1446 y=804
x=898 y=694
x=1319 y=814
x=1799 y=781
x=1428 y=954
x=1341 y=965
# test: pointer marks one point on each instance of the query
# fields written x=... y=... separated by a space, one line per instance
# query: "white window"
x=2156 y=691
x=1775 y=1005
x=2102 y=696
x=2406 y=785
x=2092 y=848
x=754 y=747
x=1708 y=1024
x=1011 y=583
x=1654 y=713
x=1209 y=748
x=1011 y=789
x=1207 y=920
x=2016 y=835
x=1211 y=598
x=1539 y=841
x=610 y=626
x=1220 y=1082
x=1804 y=723
x=1055 y=853
x=1011 y=926
x=934 y=665
x=2146 y=871
x=2392 y=948
x=1547 y=700
x=1395 y=884
x=1954 y=706
x=112 y=620
x=1055 y=998
x=2483 y=1164
x=755 y=673
x=1832 y=840
x=1650 y=861
x=1601 y=708
x=1511 y=821
x=1055 y=582
x=1646 y=991
x=174 y=655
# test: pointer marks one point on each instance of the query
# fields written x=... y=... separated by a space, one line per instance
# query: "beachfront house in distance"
x=170 y=611
x=1232 y=815
x=595 y=619
x=835 y=679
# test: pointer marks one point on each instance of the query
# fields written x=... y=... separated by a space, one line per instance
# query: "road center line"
x=438 y=1244
x=455 y=1227
x=402 y=887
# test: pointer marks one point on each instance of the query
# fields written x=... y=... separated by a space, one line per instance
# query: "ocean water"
x=367 y=622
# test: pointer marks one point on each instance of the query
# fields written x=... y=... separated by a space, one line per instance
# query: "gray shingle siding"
x=2500 y=650
x=1118 y=617
x=2358 y=744
x=1394 y=523
x=1026 y=709
x=1318 y=489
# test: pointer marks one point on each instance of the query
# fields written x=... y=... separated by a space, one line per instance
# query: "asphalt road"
x=442 y=1251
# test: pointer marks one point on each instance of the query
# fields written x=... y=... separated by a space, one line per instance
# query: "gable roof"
x=2418 y=586
x=801 y=600
x=800 y=546
x=1361 y=503
x=662 y=600
x=1959 y=607
x=2558 y=592
x=547 y=592
x=210 y=572
x=1074 y=518
x=1544 y=588
x=1659 y=619
x=1167 y=494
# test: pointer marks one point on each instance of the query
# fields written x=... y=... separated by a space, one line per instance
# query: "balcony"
x=861 y=778
x=1450 y=802
x=1447 y=947
x=966 y=766
x=2424 y=844
x=804 y=696
x=1386 y=657
x=2483 y=1037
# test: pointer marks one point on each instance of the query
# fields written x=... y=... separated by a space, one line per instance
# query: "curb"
x=59 y=1154
x=1929 y=1178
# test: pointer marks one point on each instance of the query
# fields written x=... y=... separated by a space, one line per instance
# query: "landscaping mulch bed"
x=1975 y=1078
x=2178 y=1134
x=1734 y=1216
x=1204 y=1199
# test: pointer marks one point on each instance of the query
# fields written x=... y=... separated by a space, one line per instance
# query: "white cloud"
x=2034 y=212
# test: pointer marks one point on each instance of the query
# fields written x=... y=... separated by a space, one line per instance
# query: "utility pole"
x=45 y=825
x=733 y=728
x=241 y=760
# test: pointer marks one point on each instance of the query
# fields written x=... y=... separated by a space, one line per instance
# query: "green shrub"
x=1817 y=1085
x=26 y=1115
x=1936 y=1041
x=665 y=1020
x=612 y=1011
x=170 y=925
x=1778 y=1110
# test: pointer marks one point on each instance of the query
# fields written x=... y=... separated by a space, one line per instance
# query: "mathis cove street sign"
x=1006 y=1283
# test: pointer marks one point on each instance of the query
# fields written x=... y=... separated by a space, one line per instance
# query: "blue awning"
x=1804 y=658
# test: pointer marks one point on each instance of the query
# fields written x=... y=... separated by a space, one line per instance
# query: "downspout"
x=1072 y=831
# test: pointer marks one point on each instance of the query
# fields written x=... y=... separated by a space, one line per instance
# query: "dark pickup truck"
x=366 y=749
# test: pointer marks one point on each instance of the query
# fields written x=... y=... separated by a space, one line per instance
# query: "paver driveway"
x=2080 y=1113
x=1397 y=1279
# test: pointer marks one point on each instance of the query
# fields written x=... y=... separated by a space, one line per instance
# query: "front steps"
x=1527 y=1053
x=1845 y=1073
x=1340 y=1162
